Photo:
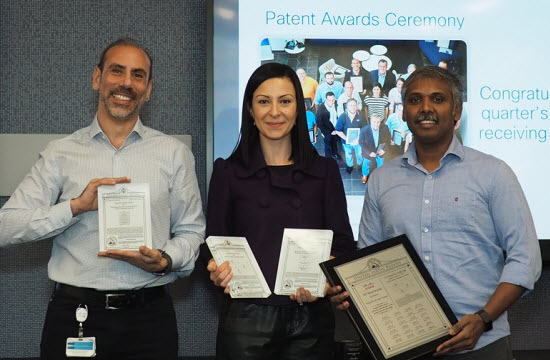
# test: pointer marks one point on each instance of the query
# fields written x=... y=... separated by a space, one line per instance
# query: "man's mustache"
x=124 y=91
x=426 y=117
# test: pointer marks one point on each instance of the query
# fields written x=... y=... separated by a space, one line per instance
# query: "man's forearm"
x=19 y=226
x=505 y=295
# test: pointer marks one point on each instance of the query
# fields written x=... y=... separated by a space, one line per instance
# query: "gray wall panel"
x=48 y=51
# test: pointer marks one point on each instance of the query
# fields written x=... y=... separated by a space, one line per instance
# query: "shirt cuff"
x=183 y=255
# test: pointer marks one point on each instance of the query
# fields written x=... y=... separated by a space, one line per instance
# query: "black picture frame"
x=329 y=268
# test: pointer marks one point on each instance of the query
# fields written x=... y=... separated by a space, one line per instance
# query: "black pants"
x=249 y=331
x=146 y=330
x=331 y=144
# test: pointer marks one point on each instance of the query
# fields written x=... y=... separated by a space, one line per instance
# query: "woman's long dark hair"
x=302 y=149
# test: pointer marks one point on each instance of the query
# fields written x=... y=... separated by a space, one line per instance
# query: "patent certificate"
x=394 y=303
x=248 y=280
x=124 y=212
x=301 y=252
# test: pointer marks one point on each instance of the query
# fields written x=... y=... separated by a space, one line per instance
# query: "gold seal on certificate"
x=124 y=212
x=301 y=252
x=248 y=280
x=394 y=303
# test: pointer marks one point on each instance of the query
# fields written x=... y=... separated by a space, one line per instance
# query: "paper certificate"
x=124 y=212
x=352 y=136
x=248 y=280
x=357 y=82
x=301 y=252
x=395 y=304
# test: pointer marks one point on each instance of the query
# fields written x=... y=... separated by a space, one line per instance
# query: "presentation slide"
x=497 y=48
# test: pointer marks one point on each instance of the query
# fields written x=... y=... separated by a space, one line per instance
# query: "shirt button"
x=296 y=203
x=261 y=173
x=429 y=177
x=426 y=201
x=264 y=202
x=298 y=177
x=425 y=230
x=427 y=258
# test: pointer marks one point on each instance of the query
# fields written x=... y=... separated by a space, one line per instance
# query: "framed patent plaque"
x=394 y=303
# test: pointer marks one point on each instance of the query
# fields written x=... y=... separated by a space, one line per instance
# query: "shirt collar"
x=95 y=129
x=455 y=149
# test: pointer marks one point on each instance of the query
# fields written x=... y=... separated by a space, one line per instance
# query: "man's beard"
x=121 y=111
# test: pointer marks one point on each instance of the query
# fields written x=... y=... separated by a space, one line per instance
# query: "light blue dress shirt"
x=375 y=136
x=460 y=218
x=321 y=94
x=40 y=206
x=395 y=123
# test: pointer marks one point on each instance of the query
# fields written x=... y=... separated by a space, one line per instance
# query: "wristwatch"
x=486 y=320
x=168 y=267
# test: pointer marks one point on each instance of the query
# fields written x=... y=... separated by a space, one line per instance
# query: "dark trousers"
x=249 y=331
x=331 y=144
x=144 y=330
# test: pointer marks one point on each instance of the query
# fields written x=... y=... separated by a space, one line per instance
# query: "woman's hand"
x=220 y=275
x=303 y=296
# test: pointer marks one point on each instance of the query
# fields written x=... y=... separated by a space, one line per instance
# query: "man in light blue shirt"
x=461 y=209
x=395 y=122
x=328 y=85
x=58 y=199
x=402 y=138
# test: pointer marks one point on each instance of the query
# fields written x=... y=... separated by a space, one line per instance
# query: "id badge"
x=80 y=347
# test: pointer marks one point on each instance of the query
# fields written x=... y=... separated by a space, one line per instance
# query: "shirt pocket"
x=455 y=212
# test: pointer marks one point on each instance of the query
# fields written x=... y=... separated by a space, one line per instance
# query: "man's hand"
x=372 y=154
x=87 y=201
x=465 y=335
x=337 y=298
x=220 y=275
x=150 y=260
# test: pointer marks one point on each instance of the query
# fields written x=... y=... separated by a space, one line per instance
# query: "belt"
x=112 y=299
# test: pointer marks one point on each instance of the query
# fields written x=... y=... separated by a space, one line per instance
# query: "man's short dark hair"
x=126 y=41
x=329 y=93
x=435 y=72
